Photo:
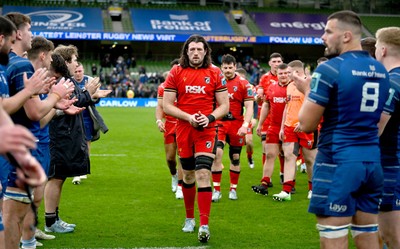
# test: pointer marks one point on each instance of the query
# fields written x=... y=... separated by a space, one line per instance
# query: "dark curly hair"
x=184 y=59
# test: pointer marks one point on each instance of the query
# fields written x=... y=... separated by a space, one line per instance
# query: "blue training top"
x=16 y=68
x=4 y=93
x=353 y=88
x=390 y=138
x=43 y=135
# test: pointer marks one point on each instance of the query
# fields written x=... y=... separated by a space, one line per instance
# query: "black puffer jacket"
x=68 y=147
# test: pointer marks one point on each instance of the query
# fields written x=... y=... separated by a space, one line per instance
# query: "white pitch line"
x=108 y=155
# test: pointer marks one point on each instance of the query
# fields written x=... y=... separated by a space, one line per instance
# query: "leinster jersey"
x=353 y=88
x=390 y=138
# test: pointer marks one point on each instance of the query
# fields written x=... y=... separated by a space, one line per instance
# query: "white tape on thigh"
x=332 y=232
x=17 y=196
x=359 y=229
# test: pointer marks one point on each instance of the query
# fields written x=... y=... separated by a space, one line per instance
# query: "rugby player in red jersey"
x=199 y=89
x=273 y=107
x=233 y=127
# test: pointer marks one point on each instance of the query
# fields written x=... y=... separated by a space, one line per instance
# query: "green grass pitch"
x=127 y=201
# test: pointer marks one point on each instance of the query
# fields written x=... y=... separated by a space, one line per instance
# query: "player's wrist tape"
x=211 y=118
x=158 y=120
x=245 y=124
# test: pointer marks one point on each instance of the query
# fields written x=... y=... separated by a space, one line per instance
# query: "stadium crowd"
x=121 y=75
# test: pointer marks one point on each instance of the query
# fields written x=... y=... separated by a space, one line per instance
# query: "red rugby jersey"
x=195 y=88
x=239 y=91
x=276 y=96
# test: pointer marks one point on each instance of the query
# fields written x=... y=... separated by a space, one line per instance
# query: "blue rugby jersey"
x=353 y=88
x=4 y=93
x=16 y=68
x=390 y=138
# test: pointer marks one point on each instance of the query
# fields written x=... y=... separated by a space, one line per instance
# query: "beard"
x=4 y=58
x=331 y=52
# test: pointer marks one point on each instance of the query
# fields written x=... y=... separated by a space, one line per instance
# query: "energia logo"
x=57 y=19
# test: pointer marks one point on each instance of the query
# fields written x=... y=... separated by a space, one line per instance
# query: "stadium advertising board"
x=282 y=24
x=47 y=19
x=83 y=24
x=125 y=102
x=180 y=22
x=177 y=38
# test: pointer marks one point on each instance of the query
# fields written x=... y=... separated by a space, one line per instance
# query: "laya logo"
x=195 y=89
x=57 y=19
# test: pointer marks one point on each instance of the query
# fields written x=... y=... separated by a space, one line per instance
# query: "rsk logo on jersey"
x=195 y=89
x=279 y=99
x=207 y=80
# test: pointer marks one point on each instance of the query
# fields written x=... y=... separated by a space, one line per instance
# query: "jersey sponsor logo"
x=230 y=95
x=195 y=89
x=207 y=80
x=337 y=208
x=314 y=81
x=279 y=99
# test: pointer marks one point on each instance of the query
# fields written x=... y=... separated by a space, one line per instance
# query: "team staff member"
x=233 y=127
x=349 y=91
x=198 y=87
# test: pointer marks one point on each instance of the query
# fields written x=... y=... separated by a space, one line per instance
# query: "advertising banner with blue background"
x=180 y=22
x=283 y=24
x=125 y=102
x=61 y=19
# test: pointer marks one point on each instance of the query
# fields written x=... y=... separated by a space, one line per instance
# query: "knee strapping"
x=263 y=137
x=359 y=229
x=188 y=163
x=235 y=150
x=332 y=232
x=204 y=162
x=220 y=145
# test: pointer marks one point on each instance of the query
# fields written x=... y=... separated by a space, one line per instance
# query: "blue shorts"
x=12 y=176
x=43 y=156
x=5 y=168
x=341 y=189
x=391 y=187
x=88 y=128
